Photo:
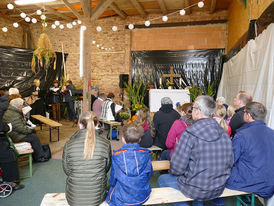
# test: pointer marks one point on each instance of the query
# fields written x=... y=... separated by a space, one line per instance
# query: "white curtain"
x=252 y=70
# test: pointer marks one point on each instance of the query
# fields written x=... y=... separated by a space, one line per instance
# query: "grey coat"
x=86 y=179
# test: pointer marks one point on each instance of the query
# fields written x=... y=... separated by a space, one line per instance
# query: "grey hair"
x=220 y=99
x=166 y=100
x=13 y=91
x=206 y=105
x=17 y=102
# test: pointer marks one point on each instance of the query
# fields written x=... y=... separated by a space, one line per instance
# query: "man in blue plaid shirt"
x=203 y=158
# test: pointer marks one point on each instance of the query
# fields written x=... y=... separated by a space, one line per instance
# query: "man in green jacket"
x=20 y=133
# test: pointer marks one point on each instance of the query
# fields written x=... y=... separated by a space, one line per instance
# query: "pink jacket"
x=174 y=134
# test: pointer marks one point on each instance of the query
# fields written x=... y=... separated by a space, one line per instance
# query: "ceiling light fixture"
x=25 y=2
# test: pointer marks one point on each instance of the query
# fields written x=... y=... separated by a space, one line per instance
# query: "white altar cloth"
x=176 y=95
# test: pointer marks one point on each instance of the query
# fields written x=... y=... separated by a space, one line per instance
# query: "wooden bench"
x=111 y=125
x=51 y=123
x=161 y=195
x=23 y=154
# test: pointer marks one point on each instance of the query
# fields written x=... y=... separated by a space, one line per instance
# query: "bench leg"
x=110 y=132
x=58 y=133
x=30 y=165
x=241 y=202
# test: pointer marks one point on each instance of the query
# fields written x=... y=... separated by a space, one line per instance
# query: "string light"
x=147 y=23
x=98 y=28
x=74 y=23
x=43 y=17
x=10 y=6
x=39 y=12
x=201 y=4
x=131 y=26
x=164 y=18
x=23 y=15
x=182 y=12
x=79 y=21
x=93 y=42
x=33 y=20
x=53 y=26
x=27 y=19
x=15 y=24
x=83 y=28
x=57 y=23
x=98 y=45
x=61 y=26
x=114 y=28
x=4 y=29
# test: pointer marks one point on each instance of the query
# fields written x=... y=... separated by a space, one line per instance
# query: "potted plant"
x=194 y=92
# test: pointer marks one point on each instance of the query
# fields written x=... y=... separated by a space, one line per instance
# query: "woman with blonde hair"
x=219 y=116
x=86 y=161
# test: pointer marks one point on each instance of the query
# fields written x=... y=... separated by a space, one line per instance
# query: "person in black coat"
x=4 y=103
x=237 y=119
x=8 y=162
x=163 y=120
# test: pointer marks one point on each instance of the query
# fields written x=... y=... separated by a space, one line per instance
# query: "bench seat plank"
x=47 y=121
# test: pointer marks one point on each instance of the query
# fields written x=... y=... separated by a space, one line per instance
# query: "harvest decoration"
x=43 y=52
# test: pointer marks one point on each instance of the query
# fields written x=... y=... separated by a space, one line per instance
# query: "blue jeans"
x=168 y=180
x=166 y=155
x=71 y=112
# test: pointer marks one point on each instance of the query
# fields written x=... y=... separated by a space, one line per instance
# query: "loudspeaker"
x=123 y=78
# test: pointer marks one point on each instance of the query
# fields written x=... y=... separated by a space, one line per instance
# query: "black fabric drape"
x=198 y=67
x=15 y=70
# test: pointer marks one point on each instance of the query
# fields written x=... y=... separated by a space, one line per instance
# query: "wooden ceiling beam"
x=212 y=6
x=162 y=6
x=139 y=8
x=53 y=11
x=118 y=11
x=100 y=8
x=186 y=5
x=73 y=10
x=86 y=7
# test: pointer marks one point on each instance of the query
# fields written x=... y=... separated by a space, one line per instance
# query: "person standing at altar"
x=69 y=94
x=163 y=120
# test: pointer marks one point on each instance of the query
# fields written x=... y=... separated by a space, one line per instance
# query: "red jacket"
x=174 y=134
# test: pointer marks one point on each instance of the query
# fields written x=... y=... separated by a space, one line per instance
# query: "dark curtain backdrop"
x=198 y=67
x=15 y=70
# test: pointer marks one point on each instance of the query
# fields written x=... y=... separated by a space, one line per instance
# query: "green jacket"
x=86 y=179
x=19 y=129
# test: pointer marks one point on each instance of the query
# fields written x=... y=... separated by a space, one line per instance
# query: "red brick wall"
x=180 y=38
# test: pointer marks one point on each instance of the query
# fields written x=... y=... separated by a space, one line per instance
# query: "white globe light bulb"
x=53 y=26
x=27 y=19
x=61 y=26
x=131 y=26
x=102 y=47
x=201 y=4
x=33 y=20
x=4 y=29
x=164 y=18
x=98 y=45
x=114 y=28
x=23 y=15
x=83 y=28
x=38 y=12
x=93 y=42
x=74 y=23
x=43 y=17
x=15 y=24
x=147 y=23
x=10 y=6
x=182 y=12
x=69 y=25
x=98 y=28
x=79 y=21
x=57 y=23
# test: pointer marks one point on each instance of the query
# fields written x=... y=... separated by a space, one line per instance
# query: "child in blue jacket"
x=131 y=170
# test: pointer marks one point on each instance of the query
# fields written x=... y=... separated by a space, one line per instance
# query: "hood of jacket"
x=206 y=129
x=131 y=159
x=166 y=108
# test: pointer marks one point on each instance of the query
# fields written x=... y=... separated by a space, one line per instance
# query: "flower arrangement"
x=137 y=107
x=169 y=84
x=124 y=115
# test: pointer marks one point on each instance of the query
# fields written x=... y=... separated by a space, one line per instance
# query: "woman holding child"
x=86 y=161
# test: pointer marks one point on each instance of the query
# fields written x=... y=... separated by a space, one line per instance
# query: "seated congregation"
x=204 y=158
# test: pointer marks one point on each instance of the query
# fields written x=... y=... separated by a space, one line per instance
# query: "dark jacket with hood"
x=4 y=104
x=131 y=170
x=6 y=152
x=202 y=160
x=163 y=120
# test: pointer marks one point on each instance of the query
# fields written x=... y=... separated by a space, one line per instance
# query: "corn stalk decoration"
x=136 y=94
x=44 y=53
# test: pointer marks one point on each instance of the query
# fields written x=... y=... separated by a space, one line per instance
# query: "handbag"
x=47 y=152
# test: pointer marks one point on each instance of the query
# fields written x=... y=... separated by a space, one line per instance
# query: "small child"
x=219 y=116
x=131 y=170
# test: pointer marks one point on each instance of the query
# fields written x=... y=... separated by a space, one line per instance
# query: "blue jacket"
x=131 y=170
x=253 y=169
x=202 y=160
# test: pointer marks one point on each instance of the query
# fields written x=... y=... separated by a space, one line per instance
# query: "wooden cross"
x=172 y=75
